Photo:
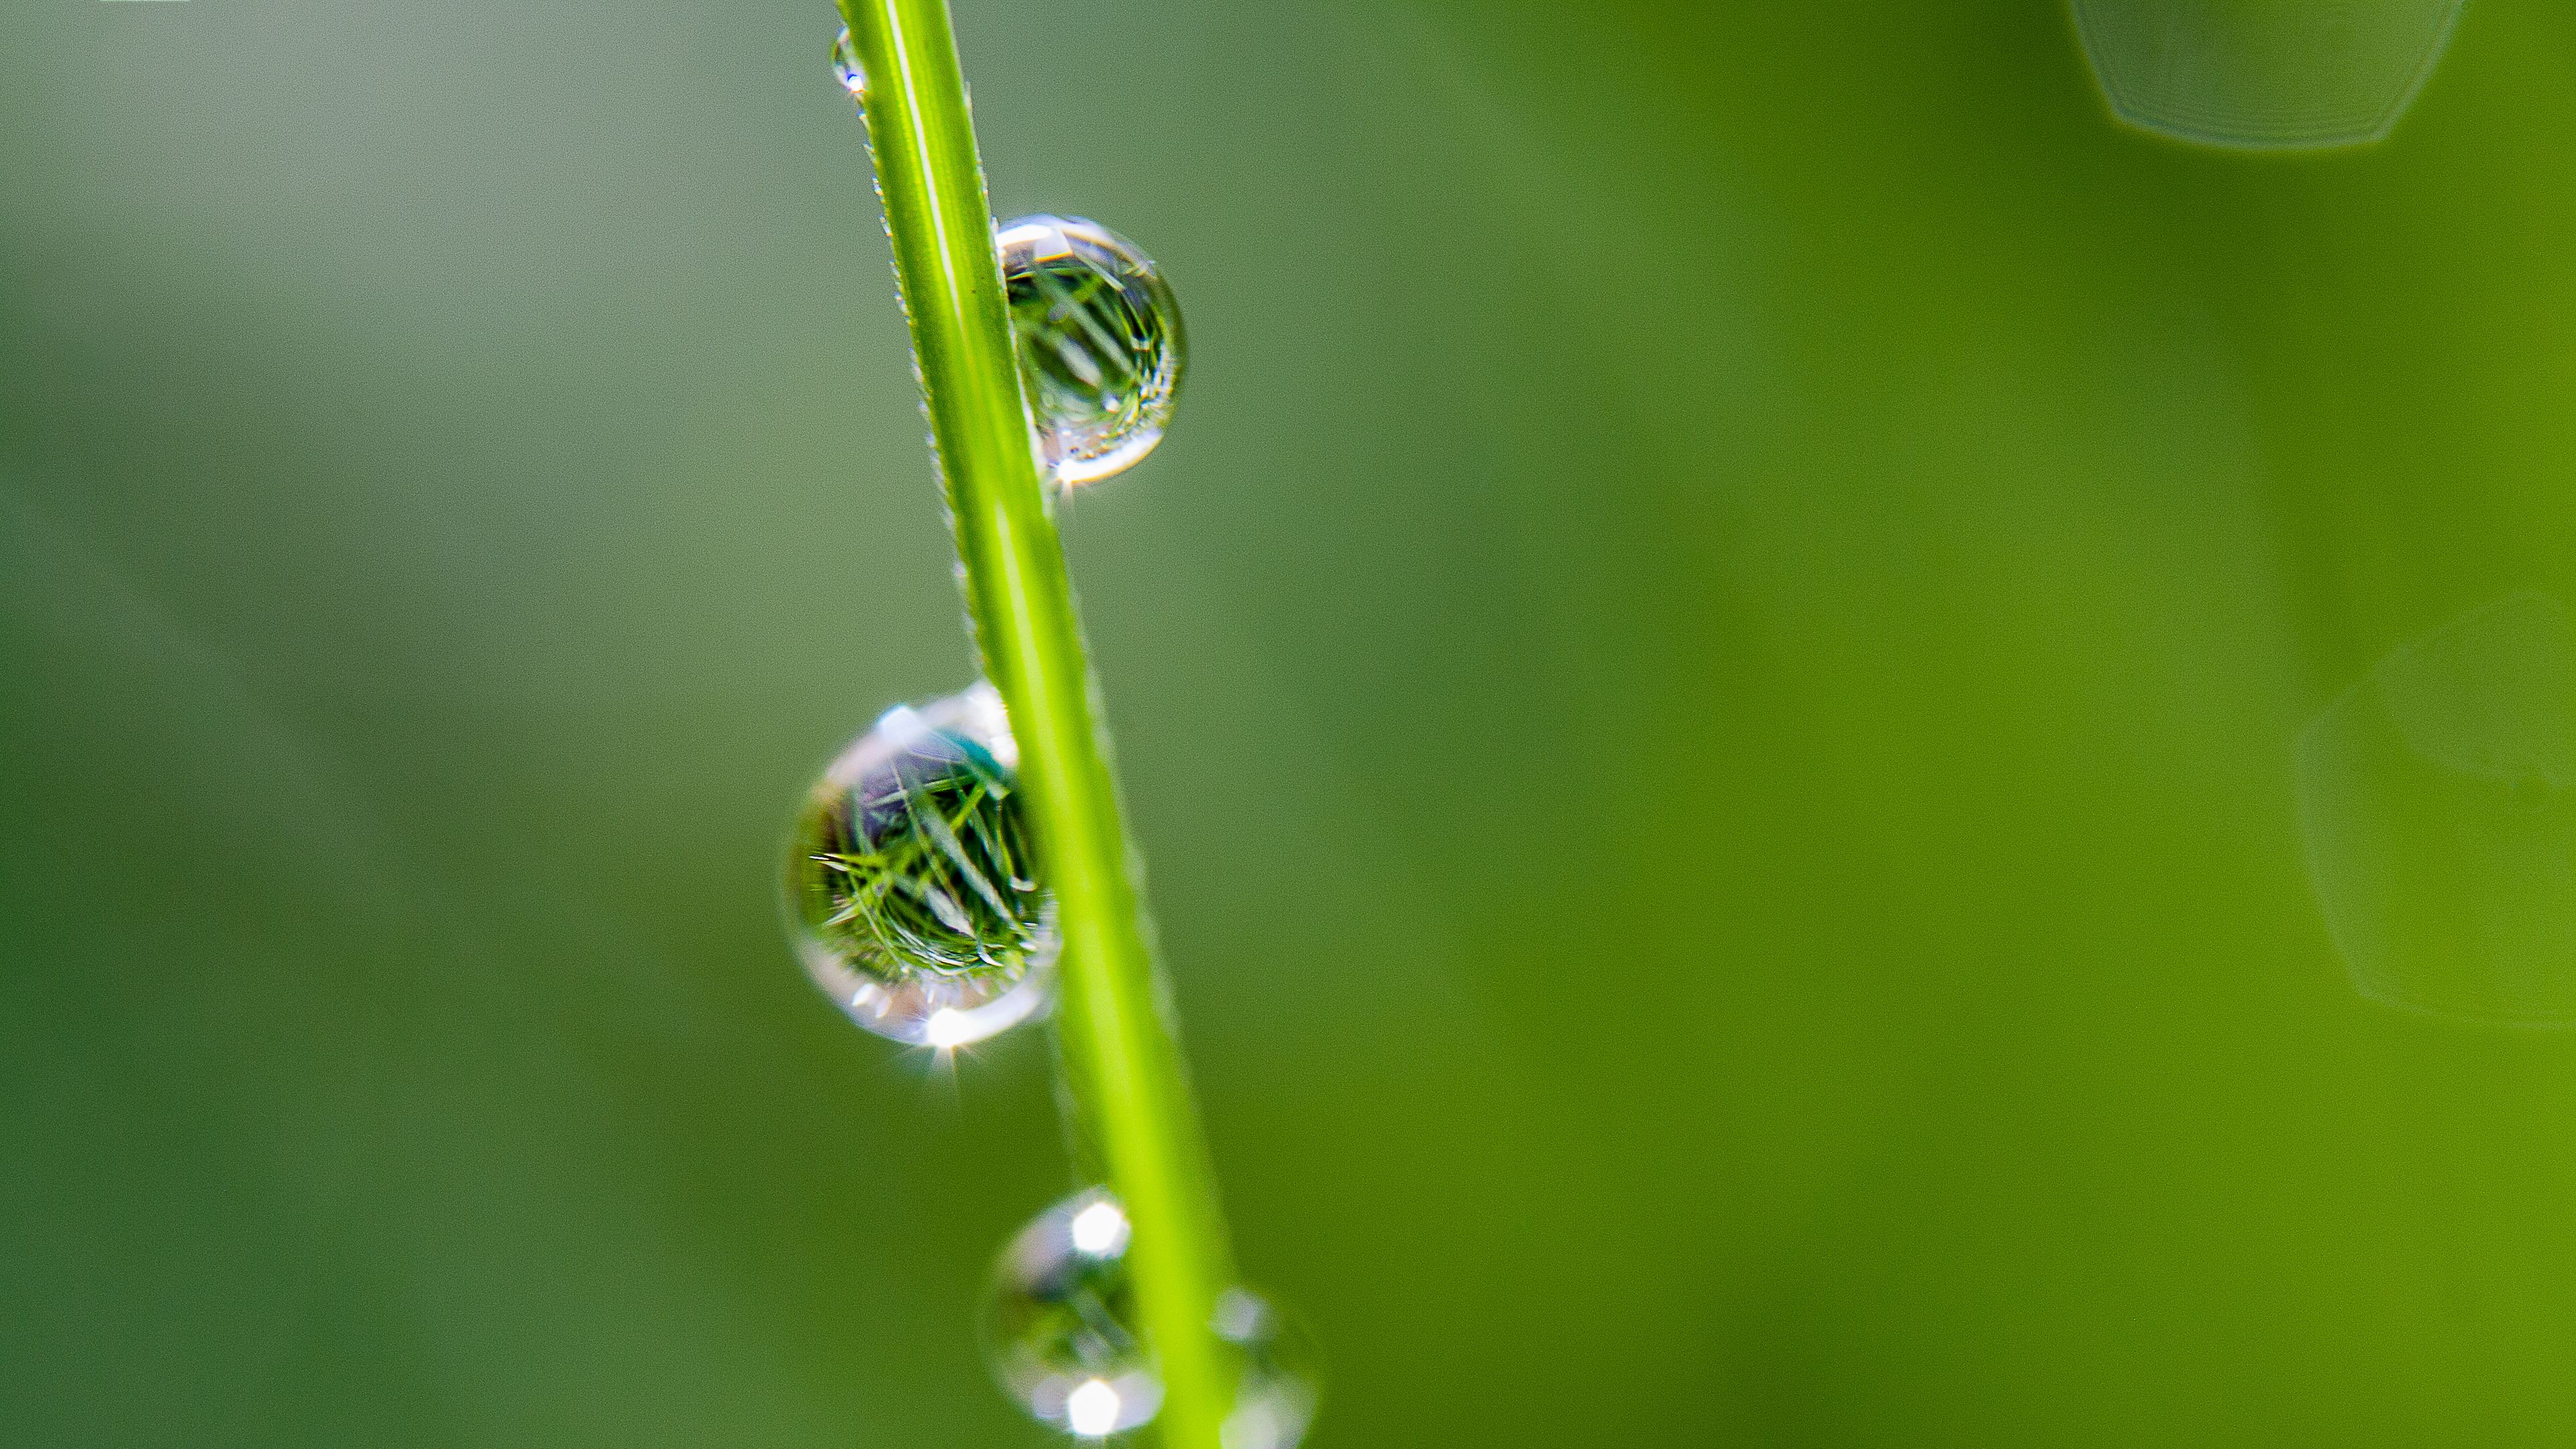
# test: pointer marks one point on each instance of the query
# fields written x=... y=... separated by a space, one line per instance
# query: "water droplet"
x=2437 y=797
x=1274 y=1400
x=910 y=891
x=2265 y=77
x=1059 y=1318
x=846 y=68
x=1100 y=343
x=1059 y=1323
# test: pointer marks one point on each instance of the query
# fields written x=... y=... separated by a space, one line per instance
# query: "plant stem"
x=1121 y=1061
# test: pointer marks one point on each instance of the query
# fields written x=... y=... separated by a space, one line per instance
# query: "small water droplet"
x=1059 y=1324
x=1274 y=1401
x=1059 y=1321
x=1100 y=342
x=909 y=888
x=846 y=68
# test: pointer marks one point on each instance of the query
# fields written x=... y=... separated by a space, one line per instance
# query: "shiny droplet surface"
x=2271 y=76
x=1059 y=1324
x=1059 y=1321
x=846 y=68
x=910 y=887
x=1100 y=343
x=2437 y=799
x=1275 y=1399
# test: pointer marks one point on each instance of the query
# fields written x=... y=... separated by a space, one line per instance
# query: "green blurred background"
x=1710 y=677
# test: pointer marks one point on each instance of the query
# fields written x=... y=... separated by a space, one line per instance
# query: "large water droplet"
x=2263 y=76
x=2438 y=800
x=1100 y=343
x=911 y=892
x=1060 y=1326
x=846 y=67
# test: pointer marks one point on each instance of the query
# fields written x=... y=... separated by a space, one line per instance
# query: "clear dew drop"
x=909 y=888
x=846 y=68
x=1275 y=1400
x=1059 y=1327
x=1100 y=343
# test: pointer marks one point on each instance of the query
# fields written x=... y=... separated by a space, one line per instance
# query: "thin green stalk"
x=1120 y=1057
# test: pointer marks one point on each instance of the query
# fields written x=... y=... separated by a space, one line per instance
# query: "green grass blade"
x=1120 y=1057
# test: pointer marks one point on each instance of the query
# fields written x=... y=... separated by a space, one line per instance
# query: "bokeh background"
x=1711 y=677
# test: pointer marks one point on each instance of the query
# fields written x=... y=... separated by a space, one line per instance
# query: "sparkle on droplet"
x=910 y=889
x=846 y=67
x=1100 y=343
x=1099 y=1230
x=1091 y=1410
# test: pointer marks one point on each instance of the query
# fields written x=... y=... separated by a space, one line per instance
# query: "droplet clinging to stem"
x=846 y=68
x=912 y=891
x=1060 y=1327
x=1100 y=343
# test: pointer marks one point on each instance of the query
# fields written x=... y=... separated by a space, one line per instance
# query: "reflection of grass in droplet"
x=926 y=867
x=1058 y=317
x=2284 y=76
x=2438 y=799
x=1082 y=343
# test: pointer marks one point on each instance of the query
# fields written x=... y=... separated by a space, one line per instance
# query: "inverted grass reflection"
x=2438 y=800
x=1100 y=343
x=911 y=891
x=2264 y=74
